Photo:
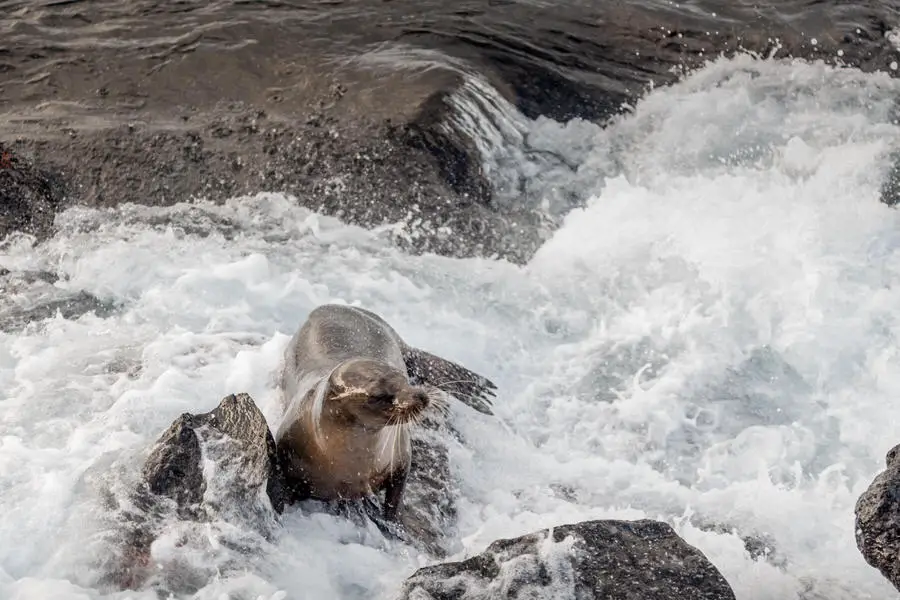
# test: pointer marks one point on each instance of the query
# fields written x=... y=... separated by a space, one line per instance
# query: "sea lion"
x=350 y=389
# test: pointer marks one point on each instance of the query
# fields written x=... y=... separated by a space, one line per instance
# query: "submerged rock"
x=878 y=520
x=31 y=296
x=612 y=560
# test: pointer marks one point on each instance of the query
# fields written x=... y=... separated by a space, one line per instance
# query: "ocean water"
x=709 y=340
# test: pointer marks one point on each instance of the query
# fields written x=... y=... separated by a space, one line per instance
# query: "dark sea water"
x=561 y=59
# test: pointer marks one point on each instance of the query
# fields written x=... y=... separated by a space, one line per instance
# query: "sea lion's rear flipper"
x=470 y=388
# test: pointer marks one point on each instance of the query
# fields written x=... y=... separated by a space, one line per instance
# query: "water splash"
x=708 y=339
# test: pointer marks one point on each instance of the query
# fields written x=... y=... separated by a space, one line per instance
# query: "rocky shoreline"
x=154 y=104
x=366 y=174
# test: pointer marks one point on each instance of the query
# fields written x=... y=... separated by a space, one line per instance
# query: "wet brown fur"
x=349 y=403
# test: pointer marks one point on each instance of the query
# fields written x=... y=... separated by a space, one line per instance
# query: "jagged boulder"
x=878 y=520
x=609 y=560
x=210 y=468
x=235 y=434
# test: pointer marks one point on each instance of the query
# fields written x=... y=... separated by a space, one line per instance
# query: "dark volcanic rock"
x=365 y=173
x=609 y=560
x=175 y=494
x=29 y=196
x=234 y=434
x=878 y=520
x=173 y=468
x=428 y=512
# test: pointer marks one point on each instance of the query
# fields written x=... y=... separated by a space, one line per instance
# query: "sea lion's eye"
x=381 y=399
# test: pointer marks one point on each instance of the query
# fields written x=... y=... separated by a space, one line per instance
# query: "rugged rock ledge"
x=609 y=560
x=174 y=468
x=365 y=173
x=878 y=520
x=344 y=105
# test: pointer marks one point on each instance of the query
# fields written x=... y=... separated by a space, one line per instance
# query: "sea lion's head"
x=374 y=395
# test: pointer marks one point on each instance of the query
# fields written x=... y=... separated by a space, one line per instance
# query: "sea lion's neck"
x=359 y=445
x=328 y=422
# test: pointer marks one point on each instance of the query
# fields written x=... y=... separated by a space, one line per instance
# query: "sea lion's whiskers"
x=466 y=395
x=384 y=441
x=437 y=401
x=318 y=405
x=397 y=430
x=390 y=439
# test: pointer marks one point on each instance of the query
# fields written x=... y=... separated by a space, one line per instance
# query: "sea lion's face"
x=374 y=395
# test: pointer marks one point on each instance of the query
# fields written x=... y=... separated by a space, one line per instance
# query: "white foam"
x=732 y=222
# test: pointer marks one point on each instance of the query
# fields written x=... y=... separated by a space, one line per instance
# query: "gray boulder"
x=236 y=436
x=211 y=468
x=878 y=520
x=612 y=560
x=30 y=296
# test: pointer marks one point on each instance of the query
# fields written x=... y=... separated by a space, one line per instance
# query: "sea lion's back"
x=334 y=333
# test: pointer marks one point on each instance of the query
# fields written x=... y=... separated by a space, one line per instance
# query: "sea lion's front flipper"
x=471 y=388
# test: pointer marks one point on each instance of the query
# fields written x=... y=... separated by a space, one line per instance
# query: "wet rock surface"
x=210 y=468
x=878 y=520
x=30 y=296
x=30 y=195
x=612 y=560
x=365 y=174
x=429 y=512
x=236 y=435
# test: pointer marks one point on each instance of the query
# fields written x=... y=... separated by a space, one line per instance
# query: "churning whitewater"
x=709 y=340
